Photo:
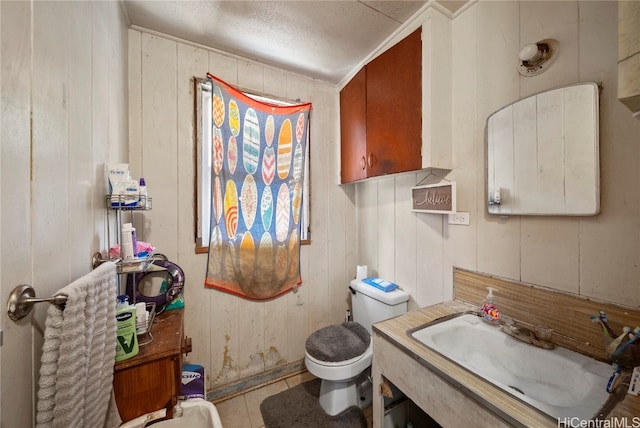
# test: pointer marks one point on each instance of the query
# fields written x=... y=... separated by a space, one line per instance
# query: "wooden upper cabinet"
x=394 y=108
x=353 y=129
x=381 y=114
x=395 y=114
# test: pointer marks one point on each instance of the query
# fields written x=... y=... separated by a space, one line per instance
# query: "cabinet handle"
x=363 y=163
x=371 y=160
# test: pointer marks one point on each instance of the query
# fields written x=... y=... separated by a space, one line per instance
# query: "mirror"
x=542 y=154
x=146 y=286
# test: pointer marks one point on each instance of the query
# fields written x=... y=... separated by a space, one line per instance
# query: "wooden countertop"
x=494 y=398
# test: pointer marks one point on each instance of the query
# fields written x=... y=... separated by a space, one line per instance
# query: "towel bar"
x=22 y=299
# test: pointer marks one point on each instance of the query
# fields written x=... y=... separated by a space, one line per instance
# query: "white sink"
x=558 y=382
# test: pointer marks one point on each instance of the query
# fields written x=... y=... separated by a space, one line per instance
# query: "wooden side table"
x=151 y=380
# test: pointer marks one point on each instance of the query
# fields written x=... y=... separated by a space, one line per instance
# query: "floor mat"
x=299 y=407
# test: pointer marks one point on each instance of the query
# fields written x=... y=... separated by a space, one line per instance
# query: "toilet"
x=341 y=354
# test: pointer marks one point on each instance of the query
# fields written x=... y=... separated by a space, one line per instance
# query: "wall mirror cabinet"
x=543 y=154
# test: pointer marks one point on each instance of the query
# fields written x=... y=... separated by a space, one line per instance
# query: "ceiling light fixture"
x=536 y=58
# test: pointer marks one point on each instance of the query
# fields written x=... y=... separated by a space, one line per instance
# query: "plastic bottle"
x=134 y=241
x=126 y=244
x=122 y=302
x=142 y=320
x=142 y=202
x=605 y=324
x=489 y=311
x=126 y=338
x=129 y=243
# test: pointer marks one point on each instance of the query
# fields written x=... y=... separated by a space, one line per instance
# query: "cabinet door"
x=394 y=108
x=353 y=122
x=147 y=387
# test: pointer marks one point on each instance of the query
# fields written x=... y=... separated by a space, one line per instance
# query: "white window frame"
x=204 y=164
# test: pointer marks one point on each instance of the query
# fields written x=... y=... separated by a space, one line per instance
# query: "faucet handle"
x=508 y=321
x=542 y=332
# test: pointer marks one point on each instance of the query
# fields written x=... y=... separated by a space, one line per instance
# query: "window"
x=203 y=129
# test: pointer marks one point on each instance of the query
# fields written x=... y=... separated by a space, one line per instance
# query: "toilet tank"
x=371 y=305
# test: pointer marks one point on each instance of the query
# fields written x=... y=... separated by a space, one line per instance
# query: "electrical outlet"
x=459 y=217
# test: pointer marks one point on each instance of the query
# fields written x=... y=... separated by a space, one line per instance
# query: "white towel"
x=78 y=355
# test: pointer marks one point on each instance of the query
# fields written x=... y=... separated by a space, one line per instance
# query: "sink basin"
x=558 y=382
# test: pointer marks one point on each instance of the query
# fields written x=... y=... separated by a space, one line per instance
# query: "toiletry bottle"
x=126 y=338
x=605 y=324
x=129 y=241
x=142 y=202
x=489 y=311
x=126 y=244
x=141 y=318
x=134 y=241
x=122 y=302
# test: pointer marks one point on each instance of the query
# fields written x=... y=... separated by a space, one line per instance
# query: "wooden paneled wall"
x=235 y=338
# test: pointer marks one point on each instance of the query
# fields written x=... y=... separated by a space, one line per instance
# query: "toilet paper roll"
x=361 y=272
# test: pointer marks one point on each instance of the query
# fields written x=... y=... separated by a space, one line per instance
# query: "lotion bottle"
x=129 y=242
x=126 y=244
x=126 y=338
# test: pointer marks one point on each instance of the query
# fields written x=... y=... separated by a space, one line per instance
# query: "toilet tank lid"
x=391 y=298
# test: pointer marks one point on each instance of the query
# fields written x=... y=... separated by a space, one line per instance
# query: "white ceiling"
x=321 y=39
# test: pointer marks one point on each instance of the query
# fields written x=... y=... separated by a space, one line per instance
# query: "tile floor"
x=243 y=411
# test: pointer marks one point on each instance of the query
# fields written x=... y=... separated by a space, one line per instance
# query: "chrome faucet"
x=536 y=335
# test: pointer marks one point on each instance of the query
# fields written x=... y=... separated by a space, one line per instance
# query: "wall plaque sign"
x=434 y=198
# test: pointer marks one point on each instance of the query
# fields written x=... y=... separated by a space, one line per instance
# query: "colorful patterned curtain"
x=258 y=155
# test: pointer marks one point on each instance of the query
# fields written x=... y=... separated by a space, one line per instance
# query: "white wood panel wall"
x=495 y=83
x=235 y=338
x=397 y=244
x=64 y=65
x=15 y=210
x=593 y=256
x=525 y=172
